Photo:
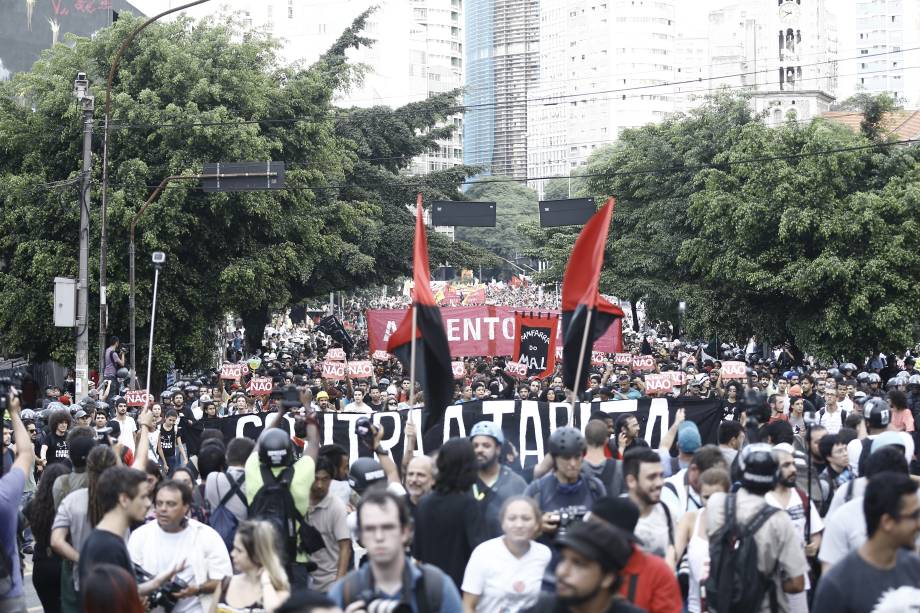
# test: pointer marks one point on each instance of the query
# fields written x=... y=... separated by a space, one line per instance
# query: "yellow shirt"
x=304 y=471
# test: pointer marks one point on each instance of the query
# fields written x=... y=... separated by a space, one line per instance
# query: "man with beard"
x=126 y=423
x=644 y=477
x=495 y=483
x=592 y=554
x=788 y=497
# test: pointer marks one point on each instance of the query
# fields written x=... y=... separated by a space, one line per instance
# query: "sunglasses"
x=31 y=430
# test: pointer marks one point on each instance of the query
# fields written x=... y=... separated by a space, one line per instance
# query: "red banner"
x=474 y=331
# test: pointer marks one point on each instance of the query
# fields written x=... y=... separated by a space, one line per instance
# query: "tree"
x=187 y=93
x=515 y=204
x=873 y=107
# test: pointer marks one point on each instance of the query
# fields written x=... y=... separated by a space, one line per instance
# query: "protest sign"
x=136 y=398
x=232 y=371
x=658 y=383
x=361 y=369
x=527 y=424
x=733 y=370
x=380 y=355
x=536 y=339
x=334 y=370
x=260 y=386
x=475 y=330
x=336 y=354
x=678 y=377
x=644 y=363
x=516 y=370
x=458 y=369
x=623 y=359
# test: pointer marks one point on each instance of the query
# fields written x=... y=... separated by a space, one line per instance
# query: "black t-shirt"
x=103 y=547
x=446 y=531
x=730 y=411
x=57 y=448
x=168 y=441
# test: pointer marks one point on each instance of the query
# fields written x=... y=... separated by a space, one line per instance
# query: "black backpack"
x=863 y=456
x=224 y=522
x=735 y=584
x=275 y=504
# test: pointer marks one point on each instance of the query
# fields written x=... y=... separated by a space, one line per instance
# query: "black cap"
x=620 y=512
x=877 y=412
x=79 y=449
x=599 y=542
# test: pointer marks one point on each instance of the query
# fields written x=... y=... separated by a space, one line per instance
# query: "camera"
x=365 y=431
x=8 y=384
x=376 y=602
x=165 y=595
x=569 y=516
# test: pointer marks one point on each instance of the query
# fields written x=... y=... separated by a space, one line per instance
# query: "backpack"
x=429 y=589
x=275 y=504
x=863 y=456
x=735 y=584
x=222 y=519
x=843 y=415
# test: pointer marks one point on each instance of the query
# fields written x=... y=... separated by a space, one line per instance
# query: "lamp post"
x=158 y=258
x=82 y=92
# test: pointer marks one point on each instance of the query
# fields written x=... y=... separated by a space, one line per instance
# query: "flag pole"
x=581 y=355
x=412 y=360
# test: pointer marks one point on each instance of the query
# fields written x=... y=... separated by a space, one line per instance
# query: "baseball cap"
x=688 y=437
x=322 y=396
x=598 y=541
x=79 y=448
x=80 y=414
x=795 y=390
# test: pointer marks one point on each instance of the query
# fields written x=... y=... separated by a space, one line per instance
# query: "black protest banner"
x=526 y=424
x=535 y=343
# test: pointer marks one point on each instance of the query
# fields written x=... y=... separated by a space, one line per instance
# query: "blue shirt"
x=450 y=598
x=11 y=486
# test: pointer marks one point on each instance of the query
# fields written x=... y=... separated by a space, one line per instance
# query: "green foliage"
x=873 y=108
x=811 y=247
x=516 y=204
x=187 y=93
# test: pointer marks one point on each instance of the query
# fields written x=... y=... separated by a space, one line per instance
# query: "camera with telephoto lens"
x=365 y=431
x=375 y=602
x=165 y=595
x=6 y=384
x=569 y=516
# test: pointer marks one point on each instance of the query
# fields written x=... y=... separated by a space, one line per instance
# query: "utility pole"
x=81 y=91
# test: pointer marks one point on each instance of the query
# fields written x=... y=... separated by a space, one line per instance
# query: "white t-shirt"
x=128 y=428
x=832 y=421
x=846 y=531
x=504 y=583
x=654 y=531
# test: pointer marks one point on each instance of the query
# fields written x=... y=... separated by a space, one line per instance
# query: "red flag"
x=433 y=368
x=581 y=295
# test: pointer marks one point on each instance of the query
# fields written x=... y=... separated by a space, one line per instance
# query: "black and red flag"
x=535 y=343
x=432 y=353
x=582 y=301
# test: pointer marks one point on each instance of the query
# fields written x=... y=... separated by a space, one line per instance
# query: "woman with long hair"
x=447 y=521
x=108 y=588
x=504 y=573
x=260 y=584
x=46 y=572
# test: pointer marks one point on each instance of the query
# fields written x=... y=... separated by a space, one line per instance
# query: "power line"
x=675 y=168
x=553 y=100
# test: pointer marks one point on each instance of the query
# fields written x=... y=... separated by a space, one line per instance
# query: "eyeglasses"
x=31 y=430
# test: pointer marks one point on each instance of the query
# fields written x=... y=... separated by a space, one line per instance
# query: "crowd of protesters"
x=806 y=500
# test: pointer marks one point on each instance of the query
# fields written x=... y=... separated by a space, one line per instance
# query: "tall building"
x=785 y=52
x=417 y=50
x=885 y=38
x=600 y=63
x=501 y=69
x=30 y=27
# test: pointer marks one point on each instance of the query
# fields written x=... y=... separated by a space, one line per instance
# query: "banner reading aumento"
x=474 y=330
x=526 y=424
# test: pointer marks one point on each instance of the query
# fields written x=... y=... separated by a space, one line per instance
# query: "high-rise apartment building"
x=417 y=50
x=501 y=69
x=883 y=36
x=600 y=64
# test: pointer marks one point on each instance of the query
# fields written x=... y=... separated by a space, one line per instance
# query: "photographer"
x=161 y=545
x=385 y=529
x=114 y=359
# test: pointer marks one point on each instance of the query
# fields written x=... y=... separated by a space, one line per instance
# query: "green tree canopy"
x=515 y=204
x=187 y=93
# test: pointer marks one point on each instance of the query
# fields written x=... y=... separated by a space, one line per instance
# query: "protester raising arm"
x=25 y=450
x=146 y=426
x=384 y=457
x=409 y=448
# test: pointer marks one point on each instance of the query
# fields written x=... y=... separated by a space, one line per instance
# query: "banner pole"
x=581 y=355
x=412 y=360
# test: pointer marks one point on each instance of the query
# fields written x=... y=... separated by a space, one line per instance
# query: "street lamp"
x=681 y=311
x=158 y=258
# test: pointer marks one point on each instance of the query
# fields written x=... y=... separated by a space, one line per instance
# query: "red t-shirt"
x=652 y=583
